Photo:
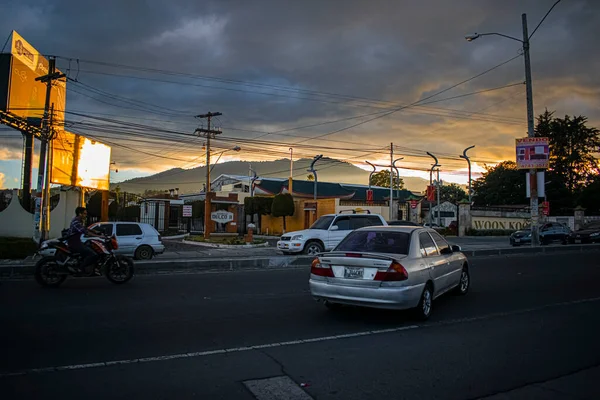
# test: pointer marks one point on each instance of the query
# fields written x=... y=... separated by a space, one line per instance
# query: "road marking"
x=290 y=343
x=277 y=388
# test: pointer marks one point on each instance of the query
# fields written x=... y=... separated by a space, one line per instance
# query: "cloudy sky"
x=283 y=72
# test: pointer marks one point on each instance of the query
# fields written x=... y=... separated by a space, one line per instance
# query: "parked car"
x=326 y=233
x=138 y=240
x=394 y=267
x=549 y=233
x=589 y=233
x=402 y=223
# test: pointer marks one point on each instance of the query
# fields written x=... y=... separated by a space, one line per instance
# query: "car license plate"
x=578 y=241
x=517 y=240
x=283 y=246
x=353 y=273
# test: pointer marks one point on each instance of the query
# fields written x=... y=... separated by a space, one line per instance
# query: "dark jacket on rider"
x=76 y=229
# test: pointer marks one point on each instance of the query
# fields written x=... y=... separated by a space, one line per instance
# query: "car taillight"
x=396 y=272
x=114 y=244
x=321 y=270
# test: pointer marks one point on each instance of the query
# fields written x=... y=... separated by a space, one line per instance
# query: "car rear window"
x=375 y=242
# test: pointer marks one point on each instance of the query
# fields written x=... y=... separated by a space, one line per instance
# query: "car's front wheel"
x=313 y=248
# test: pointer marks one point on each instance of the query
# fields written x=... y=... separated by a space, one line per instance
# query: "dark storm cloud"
x=392 y=50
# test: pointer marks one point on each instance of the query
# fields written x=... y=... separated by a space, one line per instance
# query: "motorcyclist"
x=76 y=229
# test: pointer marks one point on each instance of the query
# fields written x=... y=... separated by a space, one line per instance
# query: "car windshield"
x=322 y=223
x=376 y=242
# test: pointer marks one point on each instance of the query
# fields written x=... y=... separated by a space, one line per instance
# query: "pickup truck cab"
x=326 y=233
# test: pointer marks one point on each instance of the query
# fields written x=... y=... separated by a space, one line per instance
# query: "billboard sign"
x=21 y=94
x=79 y=161
x=533 y=152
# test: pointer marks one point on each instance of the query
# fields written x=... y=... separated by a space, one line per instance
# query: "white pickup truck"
x=326 y=233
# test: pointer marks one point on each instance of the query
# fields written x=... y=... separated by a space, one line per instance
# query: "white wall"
x=16 y=222
x=384 y=211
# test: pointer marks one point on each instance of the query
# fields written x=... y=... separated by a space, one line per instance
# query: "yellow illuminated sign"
x=79 y=161
x=26 y=96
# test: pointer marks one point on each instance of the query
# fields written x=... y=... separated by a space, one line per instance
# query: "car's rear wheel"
x=144 y=253
x=423 y=310
x=313 y=248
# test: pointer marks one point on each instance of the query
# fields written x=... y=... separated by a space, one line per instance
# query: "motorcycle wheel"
x=120 y=270
x=46 y=273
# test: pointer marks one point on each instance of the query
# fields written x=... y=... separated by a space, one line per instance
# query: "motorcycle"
x=52 y=271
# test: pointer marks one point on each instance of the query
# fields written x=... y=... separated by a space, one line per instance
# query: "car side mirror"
x=446 y=251
x=334 y=228
x=456 y=248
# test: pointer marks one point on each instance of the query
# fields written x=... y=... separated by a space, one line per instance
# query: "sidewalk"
x=579 y=385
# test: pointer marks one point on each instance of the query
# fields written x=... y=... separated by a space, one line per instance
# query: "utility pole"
x=291 y=180
x=430 y=184
x=391 y=181
x=42 y=209
x=464 y=155
x=398 y=175
x=534 y=205
x=439 y=213
x=208 y=134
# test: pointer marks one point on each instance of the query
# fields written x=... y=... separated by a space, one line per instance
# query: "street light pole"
x=534 y=203
x=291 y=180
x=431 y=183
x=464 y=155
x=534 y=200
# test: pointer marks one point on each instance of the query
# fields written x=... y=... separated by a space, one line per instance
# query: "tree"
x=502 y=184
x=263 y=205
x=382 y=179
x=250 y=207
x=283 y=206
x=572 y=148
x=310 y=177
x=452 y=193
x=590 y=198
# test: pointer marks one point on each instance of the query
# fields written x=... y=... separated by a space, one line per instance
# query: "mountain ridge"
x=192 y=180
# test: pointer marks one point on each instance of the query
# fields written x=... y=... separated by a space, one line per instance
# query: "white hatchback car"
x=138 y=240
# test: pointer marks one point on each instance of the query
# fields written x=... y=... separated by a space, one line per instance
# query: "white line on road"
x=290 y=343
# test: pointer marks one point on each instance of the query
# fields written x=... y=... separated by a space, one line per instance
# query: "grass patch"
x=231 y=240
x=16 y=248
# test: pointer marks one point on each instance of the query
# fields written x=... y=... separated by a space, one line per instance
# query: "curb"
x=176 y=237
x=532 y=250
x=192 y=264
x=225 y=246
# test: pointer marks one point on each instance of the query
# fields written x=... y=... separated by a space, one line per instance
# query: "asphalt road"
x=526 y=320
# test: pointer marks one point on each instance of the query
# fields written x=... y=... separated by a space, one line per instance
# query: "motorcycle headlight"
x=297 y=237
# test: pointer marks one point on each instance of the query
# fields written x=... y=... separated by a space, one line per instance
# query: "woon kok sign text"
x=505 y=224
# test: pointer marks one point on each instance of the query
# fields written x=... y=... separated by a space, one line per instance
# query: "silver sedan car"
x=393 y=267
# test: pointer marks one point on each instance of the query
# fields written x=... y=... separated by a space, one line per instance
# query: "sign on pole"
x=430 y=193
x=187 y=211
x=414 y=204
x=533 y=152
